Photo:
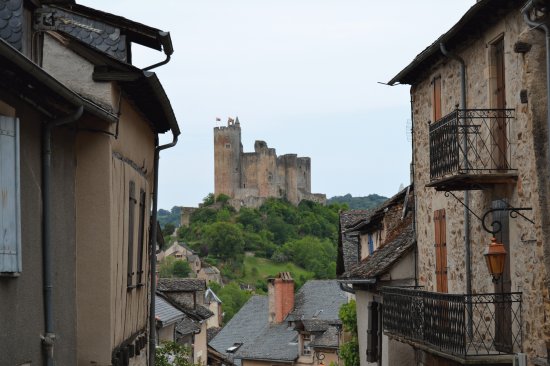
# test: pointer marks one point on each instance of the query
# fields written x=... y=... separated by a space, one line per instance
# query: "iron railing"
x=462 y=325
x=471 y=141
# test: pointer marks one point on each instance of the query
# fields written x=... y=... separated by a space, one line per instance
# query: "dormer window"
x=306 y=341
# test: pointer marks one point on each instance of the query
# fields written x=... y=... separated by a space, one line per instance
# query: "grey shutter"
x=10 y=215
x=372 y=332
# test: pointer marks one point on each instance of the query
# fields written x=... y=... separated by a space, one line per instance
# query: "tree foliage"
x=173 y=354
x=349 y=351
x=232 y=297
x=364 y=203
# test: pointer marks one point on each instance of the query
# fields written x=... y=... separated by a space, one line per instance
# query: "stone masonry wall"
x=526 y=256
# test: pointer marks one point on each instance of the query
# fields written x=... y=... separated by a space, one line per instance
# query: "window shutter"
x=440 y=250
x=372 y=332
x=437 y=98
x=131 y=213
x=141 y=237
x=10 y=215
x=371 y=244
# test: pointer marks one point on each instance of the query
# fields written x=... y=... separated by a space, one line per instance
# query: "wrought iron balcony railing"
x=471 y=141
x=462 y=325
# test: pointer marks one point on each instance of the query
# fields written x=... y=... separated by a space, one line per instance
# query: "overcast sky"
x=301 y=75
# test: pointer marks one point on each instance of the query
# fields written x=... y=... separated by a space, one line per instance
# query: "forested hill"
x=358 y=203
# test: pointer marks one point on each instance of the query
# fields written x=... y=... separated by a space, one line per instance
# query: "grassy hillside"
x=258 y=269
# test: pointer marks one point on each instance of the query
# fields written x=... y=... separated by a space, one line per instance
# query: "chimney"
x=280 y=291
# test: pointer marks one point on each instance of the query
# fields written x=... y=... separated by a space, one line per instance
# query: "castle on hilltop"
x=250 y=178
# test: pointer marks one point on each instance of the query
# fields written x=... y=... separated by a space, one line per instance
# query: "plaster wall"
x=526 y=256
x=74 y=72
x=166 y=333
x=200 y=347
x=21 y=304
x=362 y=299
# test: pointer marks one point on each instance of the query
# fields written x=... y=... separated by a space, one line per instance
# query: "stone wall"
x=249 y=178
x=526 y=257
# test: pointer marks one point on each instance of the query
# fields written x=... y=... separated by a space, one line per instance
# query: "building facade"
x=479 y=104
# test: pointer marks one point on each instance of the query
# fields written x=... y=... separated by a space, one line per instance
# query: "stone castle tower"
x=250 y=178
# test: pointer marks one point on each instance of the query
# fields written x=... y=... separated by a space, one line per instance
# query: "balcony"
x=470 y=149
x=466 y=328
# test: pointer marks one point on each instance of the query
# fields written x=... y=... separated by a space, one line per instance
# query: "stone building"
x=250 y=178
x=479 y=108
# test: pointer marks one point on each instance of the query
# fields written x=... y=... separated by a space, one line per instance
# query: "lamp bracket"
x=496 y=225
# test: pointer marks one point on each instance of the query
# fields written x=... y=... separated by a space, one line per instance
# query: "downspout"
x=414 y=191
x=152 y=251
x=48 y=339
x=467 y=243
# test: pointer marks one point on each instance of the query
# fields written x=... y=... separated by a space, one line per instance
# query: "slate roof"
x=11 y=22
x=210 y=296
x=211 y=333
x=188 y=326
x=165 y=312
x=329 y=339
x=181 y=284
x=94 y=32
x=244 y=327
x=399 y=242
x=277 y=342
x=318 y=299
x=348 y=243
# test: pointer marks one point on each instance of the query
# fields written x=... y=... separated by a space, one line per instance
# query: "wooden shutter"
x=141 y=237
x=437 y=98
x=10 y=207
x=372 y=332
x=440 y=250
x=131 y=213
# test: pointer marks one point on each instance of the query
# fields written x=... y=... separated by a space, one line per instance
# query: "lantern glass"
x=495 y=255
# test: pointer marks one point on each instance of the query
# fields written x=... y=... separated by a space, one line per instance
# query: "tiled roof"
x=197 y=312
x=181 y=284
x=210 y=296
x=11 y=26
x=165 y=312
x=399 y=241
x=244 y=327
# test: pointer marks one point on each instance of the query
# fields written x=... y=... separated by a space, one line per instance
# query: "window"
x=228 y=146
x=10 y=206
x=440 y=250
x=306 y=341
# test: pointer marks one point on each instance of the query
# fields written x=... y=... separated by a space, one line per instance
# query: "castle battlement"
x=251 y=177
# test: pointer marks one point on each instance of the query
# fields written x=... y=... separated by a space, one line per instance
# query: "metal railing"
x=463 y=325
x=472 y=141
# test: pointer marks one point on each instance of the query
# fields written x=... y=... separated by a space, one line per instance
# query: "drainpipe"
x=48 y=339
x=467 y=243
x=152 y=256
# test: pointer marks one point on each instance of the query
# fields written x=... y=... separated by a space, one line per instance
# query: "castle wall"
x=227 y=159
x=249 y=178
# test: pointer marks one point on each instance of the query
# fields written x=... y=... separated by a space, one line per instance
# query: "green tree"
x=181 y=269
x=168 y=229
x=172 y=354
x=349 y=351
x=223 y=198
x=224 y=239
x=209 y=199
x=166 y=267
x=232 y=297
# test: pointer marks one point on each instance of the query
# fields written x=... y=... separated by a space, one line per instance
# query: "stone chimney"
x=280 y=291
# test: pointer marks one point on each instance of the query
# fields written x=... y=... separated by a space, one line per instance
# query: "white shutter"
x=10 y=208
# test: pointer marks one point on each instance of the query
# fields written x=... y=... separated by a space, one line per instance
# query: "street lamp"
x=495 y=255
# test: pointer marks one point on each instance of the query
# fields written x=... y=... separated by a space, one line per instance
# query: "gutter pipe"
x=48 y=339
x=152 y=249
x=467 y=229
